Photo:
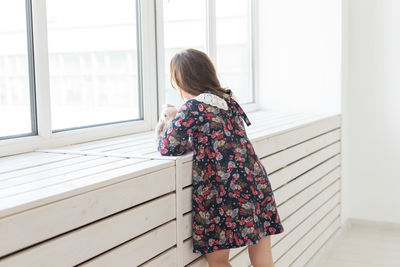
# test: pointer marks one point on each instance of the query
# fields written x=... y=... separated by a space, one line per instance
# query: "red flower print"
x=249 y=178
x=200 y=107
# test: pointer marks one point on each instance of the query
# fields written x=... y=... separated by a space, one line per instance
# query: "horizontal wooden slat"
x=21 y=157
x=190 y=257
x=298 y=151
x=310 y=251
x=241 y=259
x=138 y=250
x=331 y=219
x=51 y=167
x=290 y=172
x=289 y=136
x=141 y=149
x=290 y=223
x=167 y=258
x=306 y=179
x=265 y=118
x=290 y=206
x=18 y=203
x=76 y=171
x=284 y=123
x=297 y=233
x=199 y=262
x=38 y=224
x=277 y=121
x=95 y=145
x=40 y=159
x=82 y=244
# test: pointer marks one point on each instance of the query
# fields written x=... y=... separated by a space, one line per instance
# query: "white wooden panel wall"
x=117 y=202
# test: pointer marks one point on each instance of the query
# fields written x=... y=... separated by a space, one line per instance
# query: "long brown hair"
x=193 y=71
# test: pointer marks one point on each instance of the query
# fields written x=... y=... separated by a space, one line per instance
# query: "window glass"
x=15 y=104
x=93 y=62
x=184 y=27
x=233 y=40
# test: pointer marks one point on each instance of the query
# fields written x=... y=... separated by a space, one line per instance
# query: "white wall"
x=300 y=54
x=371 y=110
x=300 y=69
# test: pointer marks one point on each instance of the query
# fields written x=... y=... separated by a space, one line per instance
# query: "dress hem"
x=266 y=233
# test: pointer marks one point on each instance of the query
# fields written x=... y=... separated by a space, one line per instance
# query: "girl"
x=233 y=203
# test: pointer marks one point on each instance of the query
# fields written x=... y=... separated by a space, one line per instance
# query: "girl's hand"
x=175 y=141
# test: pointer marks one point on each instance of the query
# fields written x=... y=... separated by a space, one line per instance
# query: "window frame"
x=211 y=48
x=151 y=57
x=45 y=137
x=31 y=75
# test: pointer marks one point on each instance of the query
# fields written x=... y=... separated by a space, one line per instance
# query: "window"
x=221 y=28
x=184 y=26
x=234 y=52
x=17 y=114
x=76 y=71
x=93 y=62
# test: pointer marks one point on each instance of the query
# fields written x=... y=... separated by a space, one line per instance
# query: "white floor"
x=365 y=245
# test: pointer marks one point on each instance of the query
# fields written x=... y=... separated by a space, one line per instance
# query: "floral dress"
x=232 y=199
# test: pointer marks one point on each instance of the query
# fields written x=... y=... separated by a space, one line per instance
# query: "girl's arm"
x=175 y=138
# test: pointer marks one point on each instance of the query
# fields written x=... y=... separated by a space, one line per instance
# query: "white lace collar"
x=212 y=99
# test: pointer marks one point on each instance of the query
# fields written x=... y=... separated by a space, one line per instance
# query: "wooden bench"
x=118 y=202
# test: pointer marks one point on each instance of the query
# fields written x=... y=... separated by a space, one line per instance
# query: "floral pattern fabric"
x=232 y=199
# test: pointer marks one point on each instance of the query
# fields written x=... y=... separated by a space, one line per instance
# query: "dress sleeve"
x=175 y=138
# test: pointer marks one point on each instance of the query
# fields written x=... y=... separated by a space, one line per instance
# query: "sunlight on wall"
x=300 y=55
